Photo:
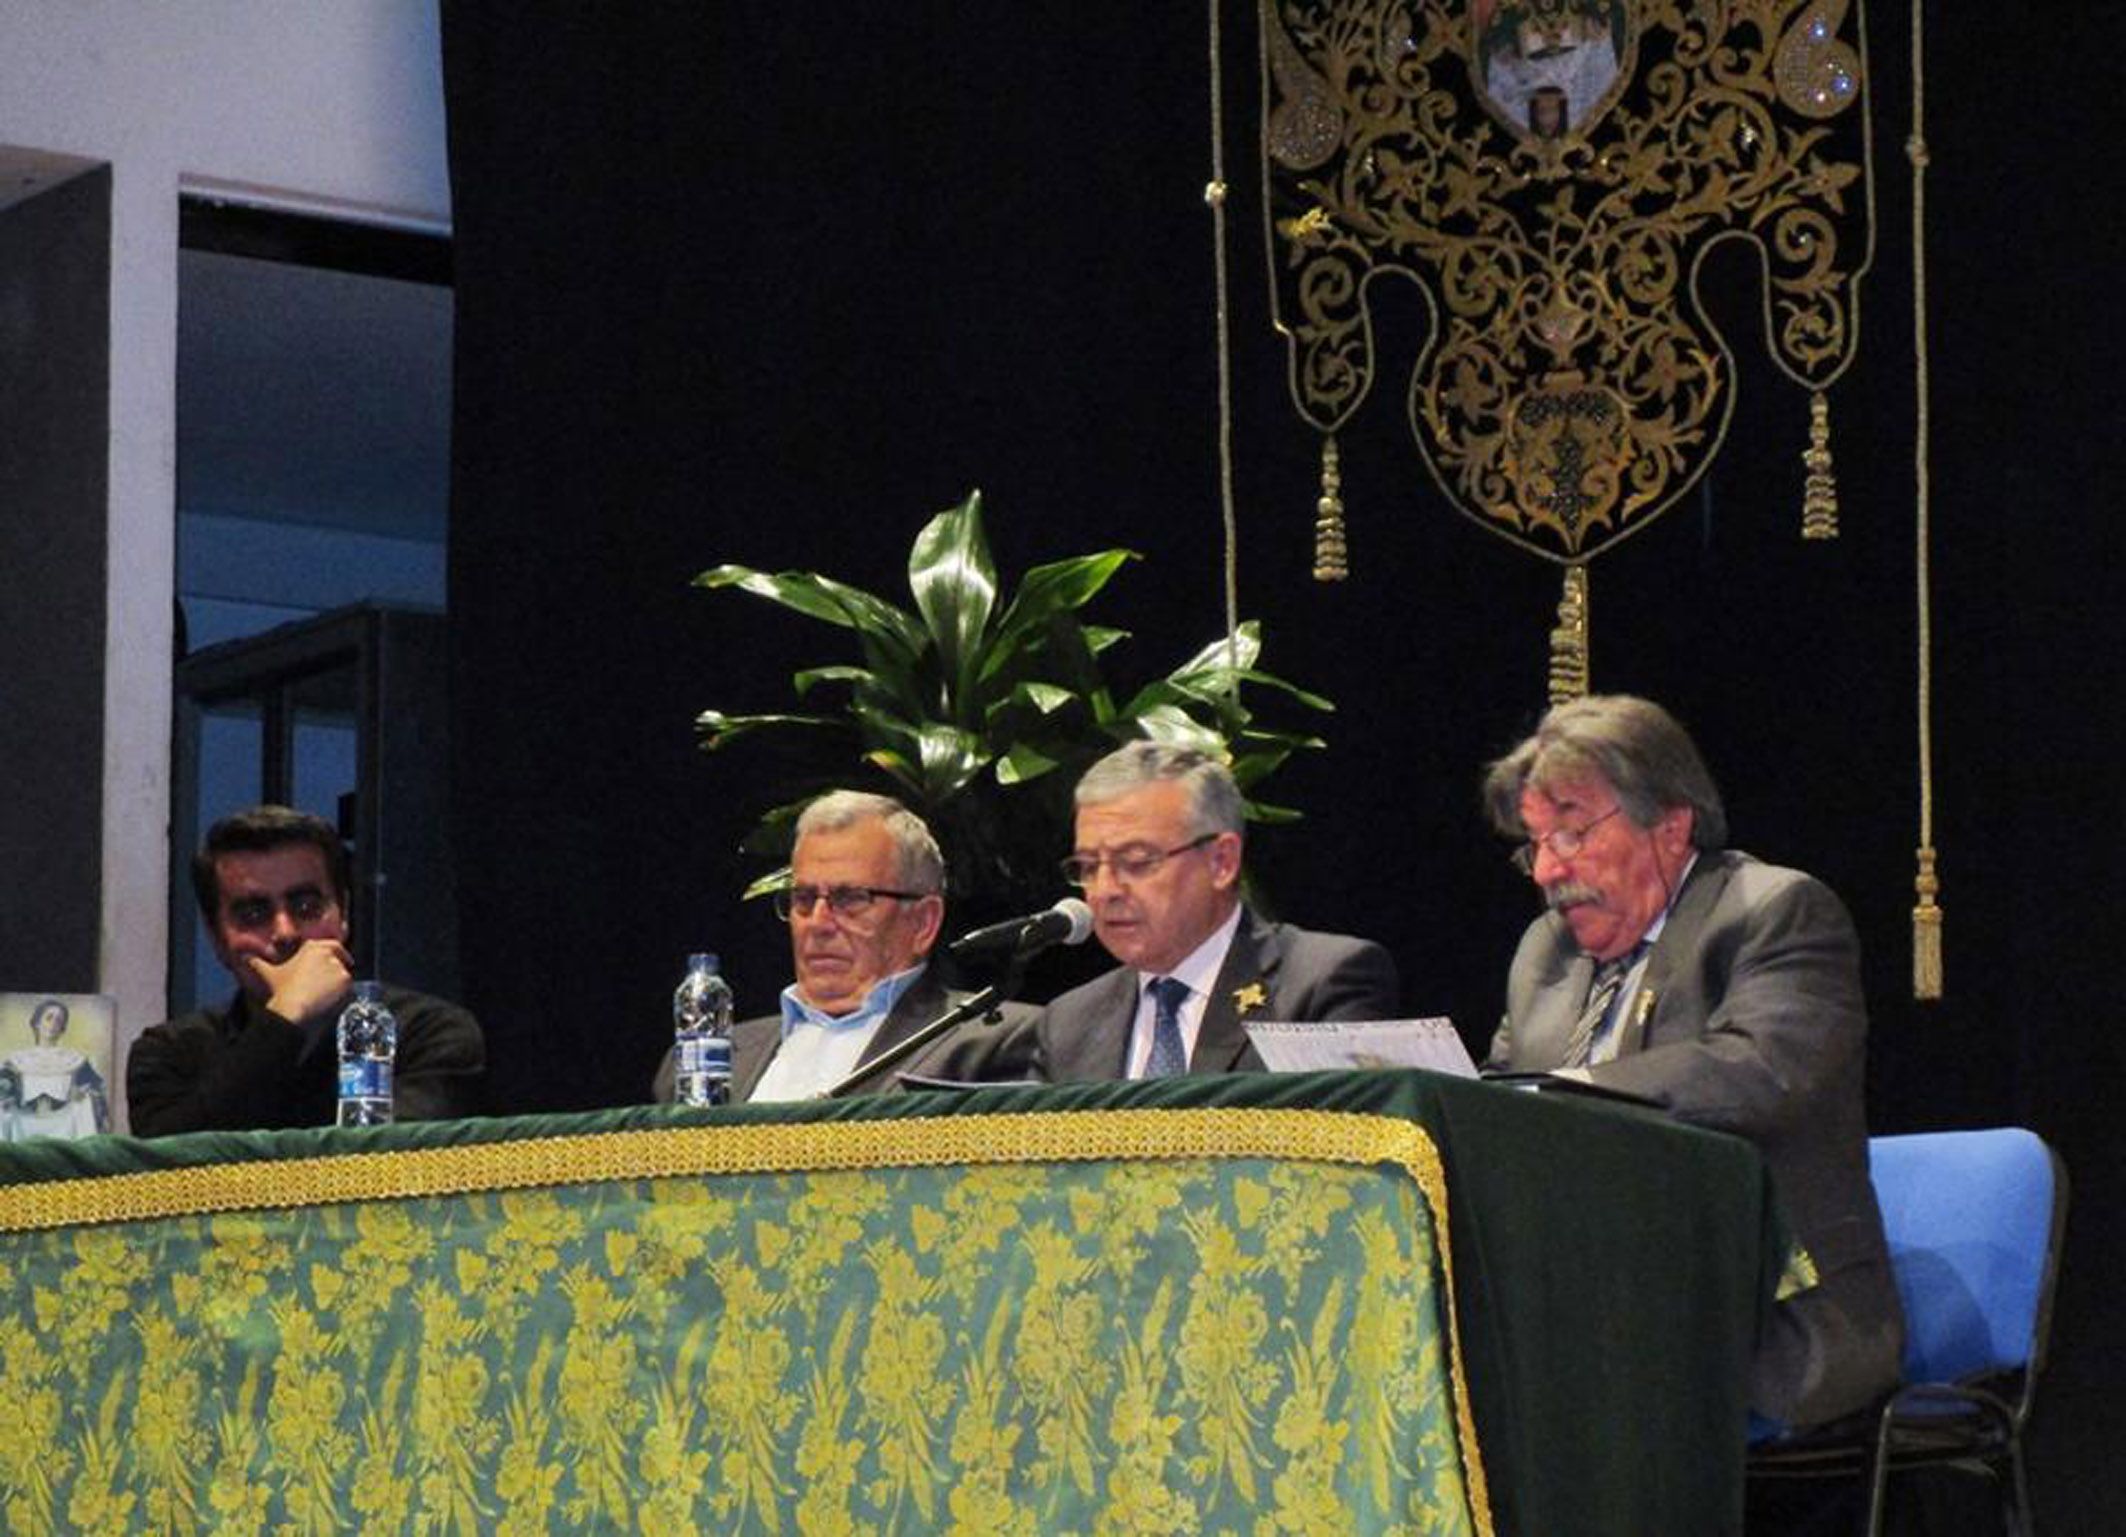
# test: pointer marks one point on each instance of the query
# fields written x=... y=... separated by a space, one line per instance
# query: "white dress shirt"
x=819 y=1050
x=1199 y=970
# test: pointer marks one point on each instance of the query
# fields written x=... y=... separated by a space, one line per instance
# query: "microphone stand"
x=973 y=1006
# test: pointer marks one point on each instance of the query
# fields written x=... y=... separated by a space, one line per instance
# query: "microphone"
x=1067 y=923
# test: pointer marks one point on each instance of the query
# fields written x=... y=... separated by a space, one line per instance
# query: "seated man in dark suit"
x=1158 y=855
x=1721 y=988
x=864 y=907
x=272 y=884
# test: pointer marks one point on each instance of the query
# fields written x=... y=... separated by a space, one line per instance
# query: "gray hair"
x=1633 y=745
x=1215 y=804
x=919 y=865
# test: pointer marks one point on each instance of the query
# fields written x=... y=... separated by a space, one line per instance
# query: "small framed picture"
x=55 y=1064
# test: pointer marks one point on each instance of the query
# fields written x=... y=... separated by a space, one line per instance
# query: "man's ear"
x=1225 y=860
x=1673 y=829
x=926 y=934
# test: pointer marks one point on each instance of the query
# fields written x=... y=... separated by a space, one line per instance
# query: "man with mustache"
x=864 y=905
x=1158 y=856
x=1721 y=988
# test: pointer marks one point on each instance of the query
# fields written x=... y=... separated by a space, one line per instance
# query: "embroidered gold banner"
x=1552 y=176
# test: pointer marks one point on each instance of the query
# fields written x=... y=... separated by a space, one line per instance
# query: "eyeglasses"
x=1131 y=863
x=846 y=901
x=1564 y=842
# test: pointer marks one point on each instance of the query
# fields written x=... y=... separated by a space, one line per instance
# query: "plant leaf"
x=718 y=728
x=955 y=585
x=1219 y=657
x=1165 y=723
x=767 y=885
x=1044 y=697
x=951 y=757
x=899 y=769
x=803 y=682
x=822 y=597
x=1023 y=763
x=1057 y=588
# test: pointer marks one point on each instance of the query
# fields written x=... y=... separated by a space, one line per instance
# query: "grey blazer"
x=1272 y=971
x=1749 y=1019
x=971 y=1052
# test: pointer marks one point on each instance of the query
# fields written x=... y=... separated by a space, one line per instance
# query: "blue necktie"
x=1169 y=1056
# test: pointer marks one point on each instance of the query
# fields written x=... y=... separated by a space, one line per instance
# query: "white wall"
x=335 y=105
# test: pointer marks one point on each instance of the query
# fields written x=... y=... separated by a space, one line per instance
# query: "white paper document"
x=1294 y=1046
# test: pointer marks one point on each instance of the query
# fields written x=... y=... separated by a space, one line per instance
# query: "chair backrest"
x=1972 y=1219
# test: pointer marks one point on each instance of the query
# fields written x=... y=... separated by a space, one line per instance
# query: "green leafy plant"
x=980 y=710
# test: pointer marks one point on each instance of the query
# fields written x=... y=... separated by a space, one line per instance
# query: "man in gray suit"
x=1158 y=852
x=864 y=907
x=1721 y=988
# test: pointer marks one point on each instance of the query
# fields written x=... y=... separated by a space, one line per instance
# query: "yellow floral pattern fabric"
x=1244 y=1344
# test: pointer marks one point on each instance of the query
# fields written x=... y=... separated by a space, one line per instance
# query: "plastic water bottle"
x=369 y=1039
x=701 y=1035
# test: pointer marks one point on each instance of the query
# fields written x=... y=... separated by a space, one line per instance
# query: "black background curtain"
x=768 y=284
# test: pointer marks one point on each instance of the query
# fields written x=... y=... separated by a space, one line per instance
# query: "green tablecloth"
x=1215 y=1304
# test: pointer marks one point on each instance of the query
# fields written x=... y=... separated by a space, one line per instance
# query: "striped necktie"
x=1169 y=1056
x=1608 y=981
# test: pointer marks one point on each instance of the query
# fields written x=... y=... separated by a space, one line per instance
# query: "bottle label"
x=702 y=1056
x=365 y=1078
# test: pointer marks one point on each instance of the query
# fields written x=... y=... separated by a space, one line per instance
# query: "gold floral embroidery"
x=1109 y=1344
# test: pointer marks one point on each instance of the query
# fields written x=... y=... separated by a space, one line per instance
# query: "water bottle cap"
x=702 y=960
x=368 y=992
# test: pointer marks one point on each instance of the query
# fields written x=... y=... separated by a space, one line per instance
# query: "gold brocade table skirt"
x=1119 y=1309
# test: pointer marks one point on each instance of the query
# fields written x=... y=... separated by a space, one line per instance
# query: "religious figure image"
x=48 y=1089
x=1547 y=65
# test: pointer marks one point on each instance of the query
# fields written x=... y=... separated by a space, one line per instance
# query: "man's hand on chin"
x=317 y=978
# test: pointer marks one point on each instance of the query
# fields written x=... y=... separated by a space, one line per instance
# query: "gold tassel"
x=1926 y=931
x=1331 y=556
x=1568 y=642
x=1819 y=492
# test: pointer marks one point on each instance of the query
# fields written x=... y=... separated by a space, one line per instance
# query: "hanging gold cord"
x=1214 y=195
x=1926 y=914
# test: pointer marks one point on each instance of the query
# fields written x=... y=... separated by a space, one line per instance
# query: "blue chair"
x=1974 y=1220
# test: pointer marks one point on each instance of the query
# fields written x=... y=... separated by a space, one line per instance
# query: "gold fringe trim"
x=1819 y=492
x=1331 y=554
x=1926 y=931
x=1322 y=1136
x=1569 y=668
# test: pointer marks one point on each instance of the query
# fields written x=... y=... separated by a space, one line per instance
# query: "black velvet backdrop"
x=771 y=284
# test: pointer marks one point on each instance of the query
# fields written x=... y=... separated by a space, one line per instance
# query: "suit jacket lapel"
x=1253 y=957
x=1539 y=1041
x=1107 y=1032
x=754 y=1043
x=923 y=1002
x=1679 y=937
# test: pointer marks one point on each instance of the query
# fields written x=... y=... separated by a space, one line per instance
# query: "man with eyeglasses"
x=1721 y=988
x=1158 y=855
x=272 y=885
x=864 y=905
